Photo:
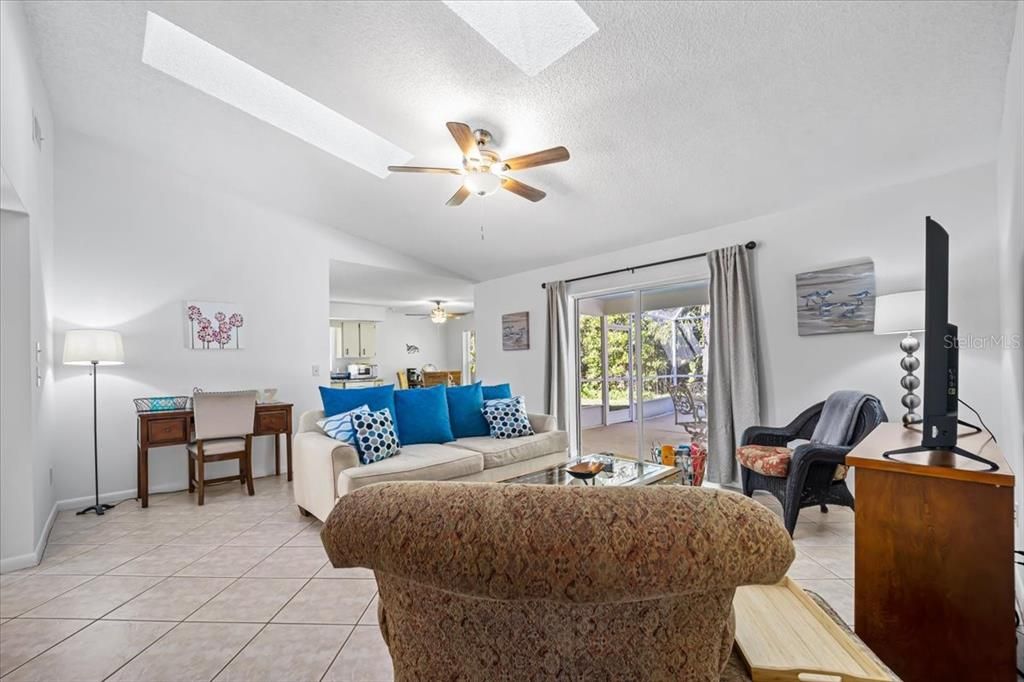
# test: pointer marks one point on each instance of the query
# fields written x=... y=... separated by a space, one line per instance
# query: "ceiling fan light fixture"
x=438 y=315
x=482 y=183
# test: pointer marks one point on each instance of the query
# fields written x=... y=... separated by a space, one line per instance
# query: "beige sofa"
x=326 y=469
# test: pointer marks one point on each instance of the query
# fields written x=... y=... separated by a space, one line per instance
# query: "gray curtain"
x=557 y=361
x=733 y=402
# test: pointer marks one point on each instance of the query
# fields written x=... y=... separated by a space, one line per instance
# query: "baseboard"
x=114 y=497
x=16 y=563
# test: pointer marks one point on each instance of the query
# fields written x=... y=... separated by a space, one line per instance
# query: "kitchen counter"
x=356 y=383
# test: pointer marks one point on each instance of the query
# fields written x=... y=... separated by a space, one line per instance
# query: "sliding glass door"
x=641 y=358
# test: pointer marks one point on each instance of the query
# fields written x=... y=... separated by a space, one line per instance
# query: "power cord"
x=978 y=415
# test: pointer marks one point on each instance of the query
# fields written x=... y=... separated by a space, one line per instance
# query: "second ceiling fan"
x=484 y=170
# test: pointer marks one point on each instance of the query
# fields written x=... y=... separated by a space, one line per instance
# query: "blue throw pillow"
x=338 y=400
x=339 y=427
x=498 y=392
x=508 y=418
x=423 y=415
x=375 y=435
x=465 y=407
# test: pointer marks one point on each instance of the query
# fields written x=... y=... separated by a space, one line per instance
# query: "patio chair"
x=691 y=399
x=812 y=473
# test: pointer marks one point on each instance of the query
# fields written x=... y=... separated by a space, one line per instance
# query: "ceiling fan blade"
x=416 y=315
x=424 y=169
x=553 y=155
x=464 y=137
x=523 y=190
x=458 y=197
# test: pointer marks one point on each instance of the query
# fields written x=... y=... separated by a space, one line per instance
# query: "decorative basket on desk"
x=163 y=404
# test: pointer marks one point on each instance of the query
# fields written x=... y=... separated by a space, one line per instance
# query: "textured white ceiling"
x=679 y=116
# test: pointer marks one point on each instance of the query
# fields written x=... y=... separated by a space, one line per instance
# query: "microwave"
x=361 y=371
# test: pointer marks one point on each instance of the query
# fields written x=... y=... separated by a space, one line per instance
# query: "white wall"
x=886 y=225
x=396 y=331
x=134 y=241
x=29 y=170
x=1010 y=206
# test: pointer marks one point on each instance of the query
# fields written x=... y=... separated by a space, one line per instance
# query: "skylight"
x=533 y=34
x=193 y=61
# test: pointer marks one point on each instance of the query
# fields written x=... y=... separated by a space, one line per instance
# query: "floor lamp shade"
x=93 y=346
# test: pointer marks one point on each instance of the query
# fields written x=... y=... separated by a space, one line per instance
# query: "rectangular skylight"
x=193 y=61
x=533 y=34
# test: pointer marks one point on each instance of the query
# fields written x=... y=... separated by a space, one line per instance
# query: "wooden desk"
x=933 y=560
x=175 y=427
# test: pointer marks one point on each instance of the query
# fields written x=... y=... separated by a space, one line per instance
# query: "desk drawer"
x=170 y=430
x=272 y=422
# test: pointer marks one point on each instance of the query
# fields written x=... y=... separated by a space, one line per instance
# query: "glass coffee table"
x=618 y=471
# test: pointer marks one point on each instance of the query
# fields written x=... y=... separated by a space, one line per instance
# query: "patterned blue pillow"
x=375 y=436
x=507 y=417
x=339 y=427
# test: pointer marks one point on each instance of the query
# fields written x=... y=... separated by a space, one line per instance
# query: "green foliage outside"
x=656 y=346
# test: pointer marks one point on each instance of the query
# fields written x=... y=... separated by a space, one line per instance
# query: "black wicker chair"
x=811 y=479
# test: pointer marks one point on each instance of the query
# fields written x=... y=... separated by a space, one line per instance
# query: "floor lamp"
x=94 y=347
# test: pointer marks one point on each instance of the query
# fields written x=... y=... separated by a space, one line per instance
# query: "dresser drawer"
x=170 y=430
x=272 y=422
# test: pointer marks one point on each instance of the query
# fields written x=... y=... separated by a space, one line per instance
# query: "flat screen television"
x=941 y=355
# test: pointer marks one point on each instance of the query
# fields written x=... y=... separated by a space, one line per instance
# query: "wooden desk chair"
x=224 y=425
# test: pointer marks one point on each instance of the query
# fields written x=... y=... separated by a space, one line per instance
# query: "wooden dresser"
x=934 y=588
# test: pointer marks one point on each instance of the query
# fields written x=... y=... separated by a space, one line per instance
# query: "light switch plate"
x=316 y=370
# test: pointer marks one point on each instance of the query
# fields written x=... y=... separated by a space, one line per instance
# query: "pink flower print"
x=204 y=323
x=194 y=313
x=225 y=338
x=205 y=335
x=220 y=317
x=236 y=321
x=224 y=327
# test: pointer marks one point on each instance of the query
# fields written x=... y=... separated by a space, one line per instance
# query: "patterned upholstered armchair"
x=484 y=581
x=812 y=474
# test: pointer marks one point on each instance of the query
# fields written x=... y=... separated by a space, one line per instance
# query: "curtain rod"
x=749 y=245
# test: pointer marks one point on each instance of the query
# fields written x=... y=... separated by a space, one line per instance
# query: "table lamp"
x=903 y=313
x=94 y=347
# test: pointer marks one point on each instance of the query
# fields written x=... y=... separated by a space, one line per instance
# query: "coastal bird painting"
x=836 y=300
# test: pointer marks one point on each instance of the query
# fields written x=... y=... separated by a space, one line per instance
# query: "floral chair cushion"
x=770 y=460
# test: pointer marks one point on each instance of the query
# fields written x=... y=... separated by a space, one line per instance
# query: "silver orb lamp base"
x=910 y=383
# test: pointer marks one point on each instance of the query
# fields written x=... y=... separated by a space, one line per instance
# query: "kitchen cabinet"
x=354 y=339
x=367 y=339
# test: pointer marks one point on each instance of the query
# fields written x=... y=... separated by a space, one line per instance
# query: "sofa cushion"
x=338 y=400
x=498 y=453
x=375 y=436
x=497 y=392
x=423 y=462
x=465 y=408
x=508 y=418
x=423 y=415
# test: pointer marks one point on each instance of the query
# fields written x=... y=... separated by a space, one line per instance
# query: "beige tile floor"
x=241 y=589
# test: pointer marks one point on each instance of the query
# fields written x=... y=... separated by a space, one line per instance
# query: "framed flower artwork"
x=214 y=325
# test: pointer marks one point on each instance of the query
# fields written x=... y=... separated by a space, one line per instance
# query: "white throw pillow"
x=339 y=426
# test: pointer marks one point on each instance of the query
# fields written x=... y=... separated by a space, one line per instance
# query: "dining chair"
x=403 y=379
x=223 y=431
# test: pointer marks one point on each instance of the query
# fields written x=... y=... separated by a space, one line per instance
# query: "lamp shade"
x=88 y=346
x=901 y=313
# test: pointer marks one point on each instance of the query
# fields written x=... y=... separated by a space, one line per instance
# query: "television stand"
x=954 y=449
x=933 y=580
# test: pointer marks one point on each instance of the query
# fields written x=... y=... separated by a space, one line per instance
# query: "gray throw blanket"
x=839 y=417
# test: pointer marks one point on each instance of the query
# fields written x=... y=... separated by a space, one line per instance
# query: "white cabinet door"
x=367 y=339
x=349 y=340
x=336 y=341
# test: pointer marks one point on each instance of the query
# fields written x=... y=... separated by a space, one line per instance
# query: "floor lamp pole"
x=98 y=508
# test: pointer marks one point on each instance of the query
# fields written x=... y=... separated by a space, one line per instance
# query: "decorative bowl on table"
x=585 y=470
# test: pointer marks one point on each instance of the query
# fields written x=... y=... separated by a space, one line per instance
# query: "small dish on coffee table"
x=585 y=470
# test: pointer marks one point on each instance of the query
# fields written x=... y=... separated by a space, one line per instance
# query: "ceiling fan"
x=484 y=169
x=438 y=315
